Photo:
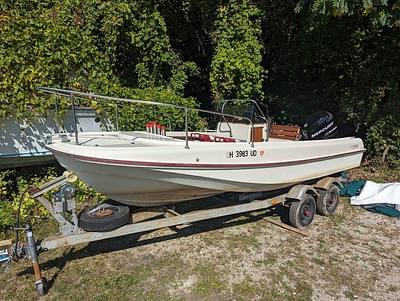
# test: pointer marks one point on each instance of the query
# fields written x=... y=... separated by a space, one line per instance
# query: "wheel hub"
x=306 y=213
x=103 y=212
x=331 y=202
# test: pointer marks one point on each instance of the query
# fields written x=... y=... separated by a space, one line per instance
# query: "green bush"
x=236 y=69
x=13 y=183
x=90 y=45
x=383 y=140
x=135 y=116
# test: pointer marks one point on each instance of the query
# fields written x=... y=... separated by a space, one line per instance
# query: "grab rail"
x=83 y=95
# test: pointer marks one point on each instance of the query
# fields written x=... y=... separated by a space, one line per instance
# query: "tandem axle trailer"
x=303 y=200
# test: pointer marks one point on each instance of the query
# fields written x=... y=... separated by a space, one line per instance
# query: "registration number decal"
x=241 y=153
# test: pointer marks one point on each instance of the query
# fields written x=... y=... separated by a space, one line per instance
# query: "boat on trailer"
x=157 y=167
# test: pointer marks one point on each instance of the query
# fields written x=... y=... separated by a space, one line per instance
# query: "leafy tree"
x=339 y=55
x=190 y=25
x=362 y=42
x=88 y=45
x=236 y=70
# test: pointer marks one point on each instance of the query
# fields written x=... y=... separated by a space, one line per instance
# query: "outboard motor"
x=319 y=125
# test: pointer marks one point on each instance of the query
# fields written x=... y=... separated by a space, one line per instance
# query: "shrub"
x=383 y=140
x=14 y=182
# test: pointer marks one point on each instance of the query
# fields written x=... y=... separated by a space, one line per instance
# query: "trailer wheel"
x=328 y=201
x=104 y=217
x=301 y=213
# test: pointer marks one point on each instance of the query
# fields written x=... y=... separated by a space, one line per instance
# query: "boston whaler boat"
x=158 y=167
x=155 y=167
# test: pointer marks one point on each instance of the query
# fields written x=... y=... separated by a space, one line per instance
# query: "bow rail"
x=72 y=94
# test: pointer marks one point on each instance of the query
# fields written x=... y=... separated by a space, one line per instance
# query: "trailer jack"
x=32 y=253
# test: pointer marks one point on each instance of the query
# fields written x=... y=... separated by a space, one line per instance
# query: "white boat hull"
x=151 y=174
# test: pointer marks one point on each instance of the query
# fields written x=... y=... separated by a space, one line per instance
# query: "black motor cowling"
x=319 y=125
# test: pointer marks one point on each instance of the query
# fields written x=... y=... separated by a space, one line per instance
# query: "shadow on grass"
x=132 y=240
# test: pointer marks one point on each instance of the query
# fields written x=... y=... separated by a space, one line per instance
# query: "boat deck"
x=129 y=139
x=119 y=139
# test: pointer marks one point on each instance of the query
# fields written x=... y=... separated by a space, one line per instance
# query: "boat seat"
x=288 y=132
x=210 y=138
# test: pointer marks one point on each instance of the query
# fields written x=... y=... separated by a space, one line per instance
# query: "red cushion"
x=210 y=138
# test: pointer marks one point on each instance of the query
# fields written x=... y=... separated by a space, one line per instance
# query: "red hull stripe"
x=202 y=165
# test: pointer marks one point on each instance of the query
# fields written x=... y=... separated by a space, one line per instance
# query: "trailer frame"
x=71 y=234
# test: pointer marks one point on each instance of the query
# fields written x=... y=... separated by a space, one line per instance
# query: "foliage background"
x=13 y=184
x=295 y=56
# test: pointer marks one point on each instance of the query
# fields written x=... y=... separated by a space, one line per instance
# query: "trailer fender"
x=298 y=192
x=325 y=183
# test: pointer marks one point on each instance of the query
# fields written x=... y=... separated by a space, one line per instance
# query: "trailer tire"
x=301 y=213
x=328 y=201
x=105 y=217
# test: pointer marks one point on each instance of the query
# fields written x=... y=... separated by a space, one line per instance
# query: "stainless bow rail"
x=73 y=95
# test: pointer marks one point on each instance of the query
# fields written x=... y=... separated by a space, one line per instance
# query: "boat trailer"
x=303 y=200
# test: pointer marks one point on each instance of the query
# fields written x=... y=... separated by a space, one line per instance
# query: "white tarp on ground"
x=374 y=193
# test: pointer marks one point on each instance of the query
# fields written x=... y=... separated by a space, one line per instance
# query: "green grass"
x=246 y=289
x=210 y=281
x=269 y=259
